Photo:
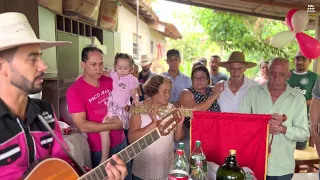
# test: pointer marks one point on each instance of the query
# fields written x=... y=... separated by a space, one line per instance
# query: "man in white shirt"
x=236 y=87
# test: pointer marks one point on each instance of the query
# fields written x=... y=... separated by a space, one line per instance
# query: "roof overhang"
x=166 y=29
x=145 y=10
x=272 y=9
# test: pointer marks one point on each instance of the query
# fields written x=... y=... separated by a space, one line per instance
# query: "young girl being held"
x=124 y=86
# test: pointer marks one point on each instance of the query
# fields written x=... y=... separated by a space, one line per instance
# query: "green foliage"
x=223 y=32
x=240 y=32
x=186 y=68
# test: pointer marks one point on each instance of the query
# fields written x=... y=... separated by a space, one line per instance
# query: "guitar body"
x=57 y=169
x=52 y=169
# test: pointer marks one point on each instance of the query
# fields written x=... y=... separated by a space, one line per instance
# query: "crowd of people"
x=99 y=103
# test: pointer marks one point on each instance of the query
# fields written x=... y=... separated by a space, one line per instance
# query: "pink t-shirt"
x=122 y=87
x=83 y=97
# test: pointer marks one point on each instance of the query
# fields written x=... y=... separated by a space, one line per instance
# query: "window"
x=135 y=46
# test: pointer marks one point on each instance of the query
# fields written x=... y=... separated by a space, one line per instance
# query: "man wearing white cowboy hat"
x=236 y=87
x=24 y=139
x=145 y=63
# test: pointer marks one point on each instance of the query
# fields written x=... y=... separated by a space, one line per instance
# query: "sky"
x=166 y=10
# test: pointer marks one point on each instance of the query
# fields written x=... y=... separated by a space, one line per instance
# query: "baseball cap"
x=300 y=55
x=173 y=52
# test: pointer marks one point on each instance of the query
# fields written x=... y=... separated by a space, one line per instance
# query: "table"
x=213 y=167
x=79 y=148
x=306 y=176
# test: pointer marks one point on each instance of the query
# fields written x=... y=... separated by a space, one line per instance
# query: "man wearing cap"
x=145 y=74
x=236 y=87
x=179 y=80
x=277 y=98
x=24 y=138
x=303 y=80
x=215 y=75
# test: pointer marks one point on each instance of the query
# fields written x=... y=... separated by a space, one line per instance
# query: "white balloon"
x=299 y=21
x=282 y=38
x=36 y=96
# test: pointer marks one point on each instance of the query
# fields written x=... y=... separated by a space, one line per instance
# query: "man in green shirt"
x=303 y=80
x=277 y=98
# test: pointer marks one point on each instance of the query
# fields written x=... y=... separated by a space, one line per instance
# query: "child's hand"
x=108 y=119
x=136 y=102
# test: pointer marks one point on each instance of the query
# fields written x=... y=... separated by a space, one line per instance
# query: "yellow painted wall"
x=127 y=28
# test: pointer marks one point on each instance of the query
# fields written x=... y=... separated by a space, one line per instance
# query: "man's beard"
x=145 y=69
x=22 y=83
x=214 y=68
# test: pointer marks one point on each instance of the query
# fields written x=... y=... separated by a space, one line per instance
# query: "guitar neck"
x=126 y=155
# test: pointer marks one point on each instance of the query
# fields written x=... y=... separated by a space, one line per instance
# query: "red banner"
x=246 y=133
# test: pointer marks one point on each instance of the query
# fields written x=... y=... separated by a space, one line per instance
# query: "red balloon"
x=289 y=17
x=309 y=46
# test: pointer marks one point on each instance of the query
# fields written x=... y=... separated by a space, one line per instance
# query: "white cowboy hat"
x=15 y=30
x=145 y=60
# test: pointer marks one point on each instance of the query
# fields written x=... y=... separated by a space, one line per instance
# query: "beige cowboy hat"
x=145 y=60
x=15 y=30
x=237 y=57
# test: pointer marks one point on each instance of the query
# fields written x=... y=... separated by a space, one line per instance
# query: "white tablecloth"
x=212 y=169
x=79 y=148
x=306 y=176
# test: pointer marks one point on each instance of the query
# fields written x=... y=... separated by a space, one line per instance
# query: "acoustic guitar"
x=57 y=169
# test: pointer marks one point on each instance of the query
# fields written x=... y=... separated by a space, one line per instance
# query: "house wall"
x=127 y=29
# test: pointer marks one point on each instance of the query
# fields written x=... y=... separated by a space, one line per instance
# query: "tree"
x=226 y=32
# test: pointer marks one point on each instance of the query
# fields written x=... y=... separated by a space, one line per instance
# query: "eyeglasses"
x=200 y=78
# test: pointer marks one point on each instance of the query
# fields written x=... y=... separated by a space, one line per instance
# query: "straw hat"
x=237 y=57
x=145 y=60
x=15 y=30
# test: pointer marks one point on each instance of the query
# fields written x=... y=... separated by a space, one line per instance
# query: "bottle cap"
x=198 y=143
x=232 y=152
x=181 y=145
x=180 y=152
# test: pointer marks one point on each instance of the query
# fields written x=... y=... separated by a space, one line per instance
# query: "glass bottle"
x=197 y=153
x=181 y=147
x=179 y=170
x=198 y=173
x=230 y=170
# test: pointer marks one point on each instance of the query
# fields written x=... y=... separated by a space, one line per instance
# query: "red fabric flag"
x=246 y=133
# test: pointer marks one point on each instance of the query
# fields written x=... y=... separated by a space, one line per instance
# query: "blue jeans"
x=135 y=178
x=96 y=157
